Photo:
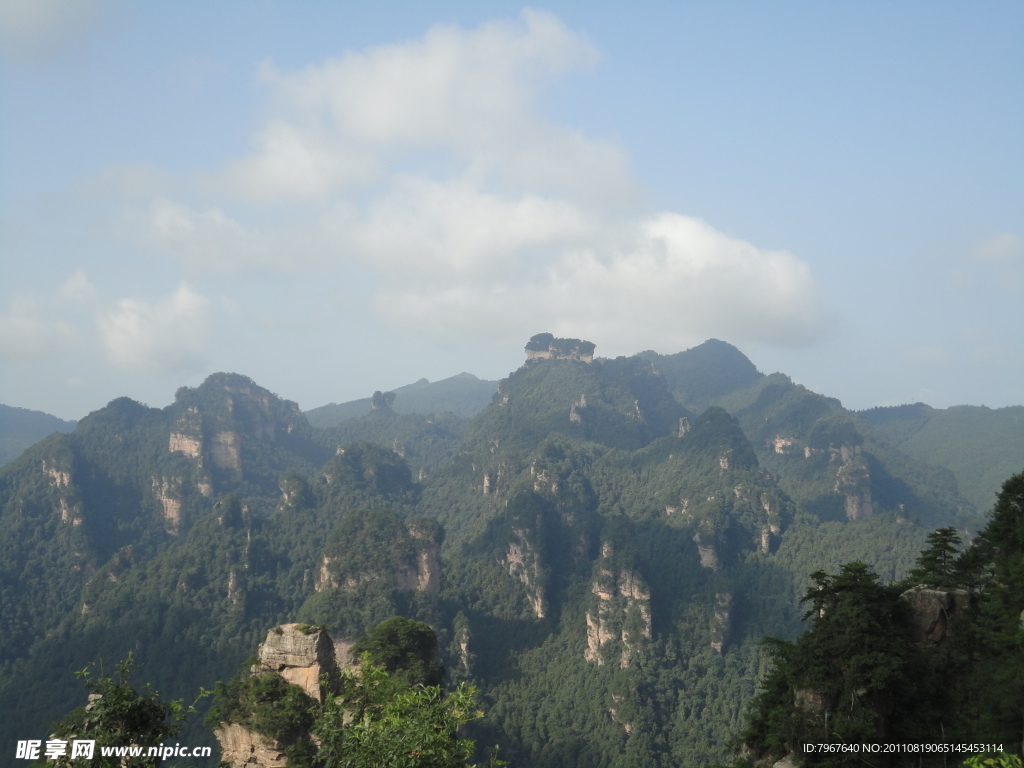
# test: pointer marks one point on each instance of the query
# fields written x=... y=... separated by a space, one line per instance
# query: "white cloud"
x=208 y=240
x=468 y=94
x=28 y=331
x=454 y=228
x=77 y=291
x=428 y=164
x=999 y=248
x=679 y=282
x=167 y=336
x=294 y=163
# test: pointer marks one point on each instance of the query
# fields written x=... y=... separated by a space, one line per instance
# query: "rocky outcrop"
x=301 y=655
x=187 y=434
x=545 y=346
x=931 y=612
x=426 y=577
x=721 y=625
x=324 y=579
x=241 y=747
x=420 y=575
x=853 y=481
x=167 y=491
x=216 y=417
x=60 y=477
x=621 y=611
x=70 y=513
x=382 y=401
x=234 y=588
x=811 y=702
x=226 y=453
x=576 y=410
x=708 y=554
x=522 y=562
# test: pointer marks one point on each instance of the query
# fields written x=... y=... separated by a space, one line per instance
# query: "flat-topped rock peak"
x=545 y=346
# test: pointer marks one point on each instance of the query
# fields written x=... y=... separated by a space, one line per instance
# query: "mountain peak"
x=544 y=346
x=701 y=373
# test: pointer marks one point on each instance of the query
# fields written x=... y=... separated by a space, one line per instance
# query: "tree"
x=848 y=679
x=377 y=721
x=999 y=681
x=387 y=711
x=406 y=649
x=937 y=565
x=118 y=715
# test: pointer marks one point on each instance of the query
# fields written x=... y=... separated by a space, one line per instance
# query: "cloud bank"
x=430 y=165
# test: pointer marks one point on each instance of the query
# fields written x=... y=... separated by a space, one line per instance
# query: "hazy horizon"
x=335 y=199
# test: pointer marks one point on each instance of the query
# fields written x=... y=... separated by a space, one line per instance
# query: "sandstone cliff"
x=545 y=346
x=620 y=610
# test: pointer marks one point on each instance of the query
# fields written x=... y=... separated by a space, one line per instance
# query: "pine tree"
x=937 y=565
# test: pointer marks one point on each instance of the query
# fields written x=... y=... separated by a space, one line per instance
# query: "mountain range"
x=600 y=547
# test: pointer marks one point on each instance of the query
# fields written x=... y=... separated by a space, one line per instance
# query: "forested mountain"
x=20 y=428
x=600 y=550
x=982 y=446
x=463 y=395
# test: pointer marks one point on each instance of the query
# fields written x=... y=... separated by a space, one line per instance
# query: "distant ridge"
x=981 y=446
x=703 y=373
x=21 y=427
x=463 y=394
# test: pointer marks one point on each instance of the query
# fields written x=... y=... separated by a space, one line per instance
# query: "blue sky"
x=334 y=198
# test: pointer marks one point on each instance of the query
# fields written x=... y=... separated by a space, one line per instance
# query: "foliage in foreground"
x=118 y=715
x=857 y=676
x=389 y=711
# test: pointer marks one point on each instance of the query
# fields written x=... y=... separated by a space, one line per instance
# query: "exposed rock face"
x=523 y=563
x=781 y=444
x=226 y=453
x=343 y=653
x=545 y=346
x=931 y=611
x=427 y=575
x=576 y=411
x=621 y=611
x=216 y=416
x=70 y=513
x=722 y=623
x=708 y=555
x=428 y=571
x=684 y=427
x=299 y=657
x=61 y=477
x=853 y=481
x=241 y=747
x=190 y=446
x=422 y=576
x=234 y=589
x=324 y=578
x=187 y=434
x=166 y=491
x=811 y=701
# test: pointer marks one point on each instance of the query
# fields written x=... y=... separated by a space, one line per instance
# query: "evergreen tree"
x=937 y=565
